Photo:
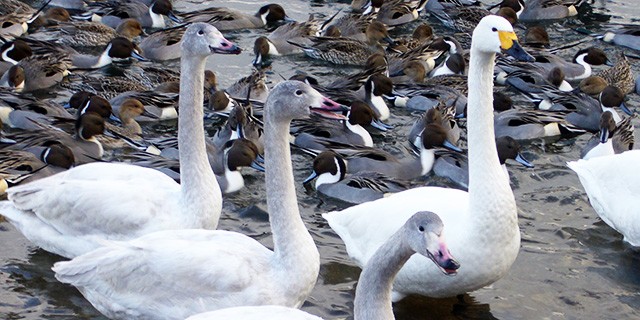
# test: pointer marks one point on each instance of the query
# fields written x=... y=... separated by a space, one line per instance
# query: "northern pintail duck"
x=413 y=72
x=610 y=183
x=535 y=124
x=27 y=113
x=229 y=19
x=276 y=43
x=11 y=52
x=50 y=17
x=421 y=34
x=345 y=50
x=626 y=36
x=117 y=48
x=535 y=10
x=352 y=25
x=395 y=12
x=424 y=96
x=620 y=75
x=537 y=37
x=13 y=78
x=351 y=131
x=612 y=98
x=579 y=68
x=89 y=33
x=162 y=106
x=370 y=159
x=234 y=155
x=111 y=13
x=14 y=24
x=44 y=71
x=612 y=139
x=253 y=86
x=454 y=166
x=453 y=64
x=164 y=198
x=22 y=166
x=332 y=180
x=163 y=44
x=592 y=85
x=55 y=60
x=440 y=114
x=427 y=53
x=532 y=84
x=84 y=145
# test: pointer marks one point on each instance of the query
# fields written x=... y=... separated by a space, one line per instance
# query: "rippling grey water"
x=571 y=265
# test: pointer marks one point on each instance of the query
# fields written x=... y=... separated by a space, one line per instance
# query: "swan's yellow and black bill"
x=509 y=43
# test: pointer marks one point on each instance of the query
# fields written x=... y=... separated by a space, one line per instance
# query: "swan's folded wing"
x=170 y=269
x=115 y=200
x=362 y=237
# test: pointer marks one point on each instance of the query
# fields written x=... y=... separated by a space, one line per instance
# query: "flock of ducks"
x=142 y=235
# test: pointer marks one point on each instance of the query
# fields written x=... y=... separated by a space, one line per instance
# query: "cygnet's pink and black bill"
x=226 y=47
x=327 y=109
x=443 y=259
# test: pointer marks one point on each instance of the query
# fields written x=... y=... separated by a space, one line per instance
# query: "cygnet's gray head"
x=423 y=233
x=204 y=39
x=294 y=99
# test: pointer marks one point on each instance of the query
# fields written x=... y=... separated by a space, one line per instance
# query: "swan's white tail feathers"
x=82 y=270
x=30 y=195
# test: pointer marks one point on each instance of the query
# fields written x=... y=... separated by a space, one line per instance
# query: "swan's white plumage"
x=70 y=213
x=481 y=226
x=140 y=275
x=613 y=188
x=174 y=274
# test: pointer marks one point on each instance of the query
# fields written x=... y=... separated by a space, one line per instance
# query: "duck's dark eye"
x=421 y=228
x=494 y=29
x=200 y=32
x=298 y=92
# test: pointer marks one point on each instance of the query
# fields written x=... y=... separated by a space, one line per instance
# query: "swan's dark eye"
x=494 y=29
x=298 y=92
x=200 y=32
x=421 y=228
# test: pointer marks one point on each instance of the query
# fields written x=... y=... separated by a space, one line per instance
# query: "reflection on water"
x=571 y=265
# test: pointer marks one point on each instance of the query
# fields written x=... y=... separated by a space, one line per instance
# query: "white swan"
x=482 y=225
x=613 y=187
x=422 y=234
x=175 y=274
x=71 y=212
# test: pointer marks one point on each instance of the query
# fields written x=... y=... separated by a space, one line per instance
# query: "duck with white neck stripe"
x=229 y=19
x=613 y=138
x=152 y=16
x=332 y=180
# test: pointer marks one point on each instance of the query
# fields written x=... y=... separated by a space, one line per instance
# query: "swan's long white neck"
x=296 y=259
x=200 y=193
x=491 y=202
x=373 y=294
